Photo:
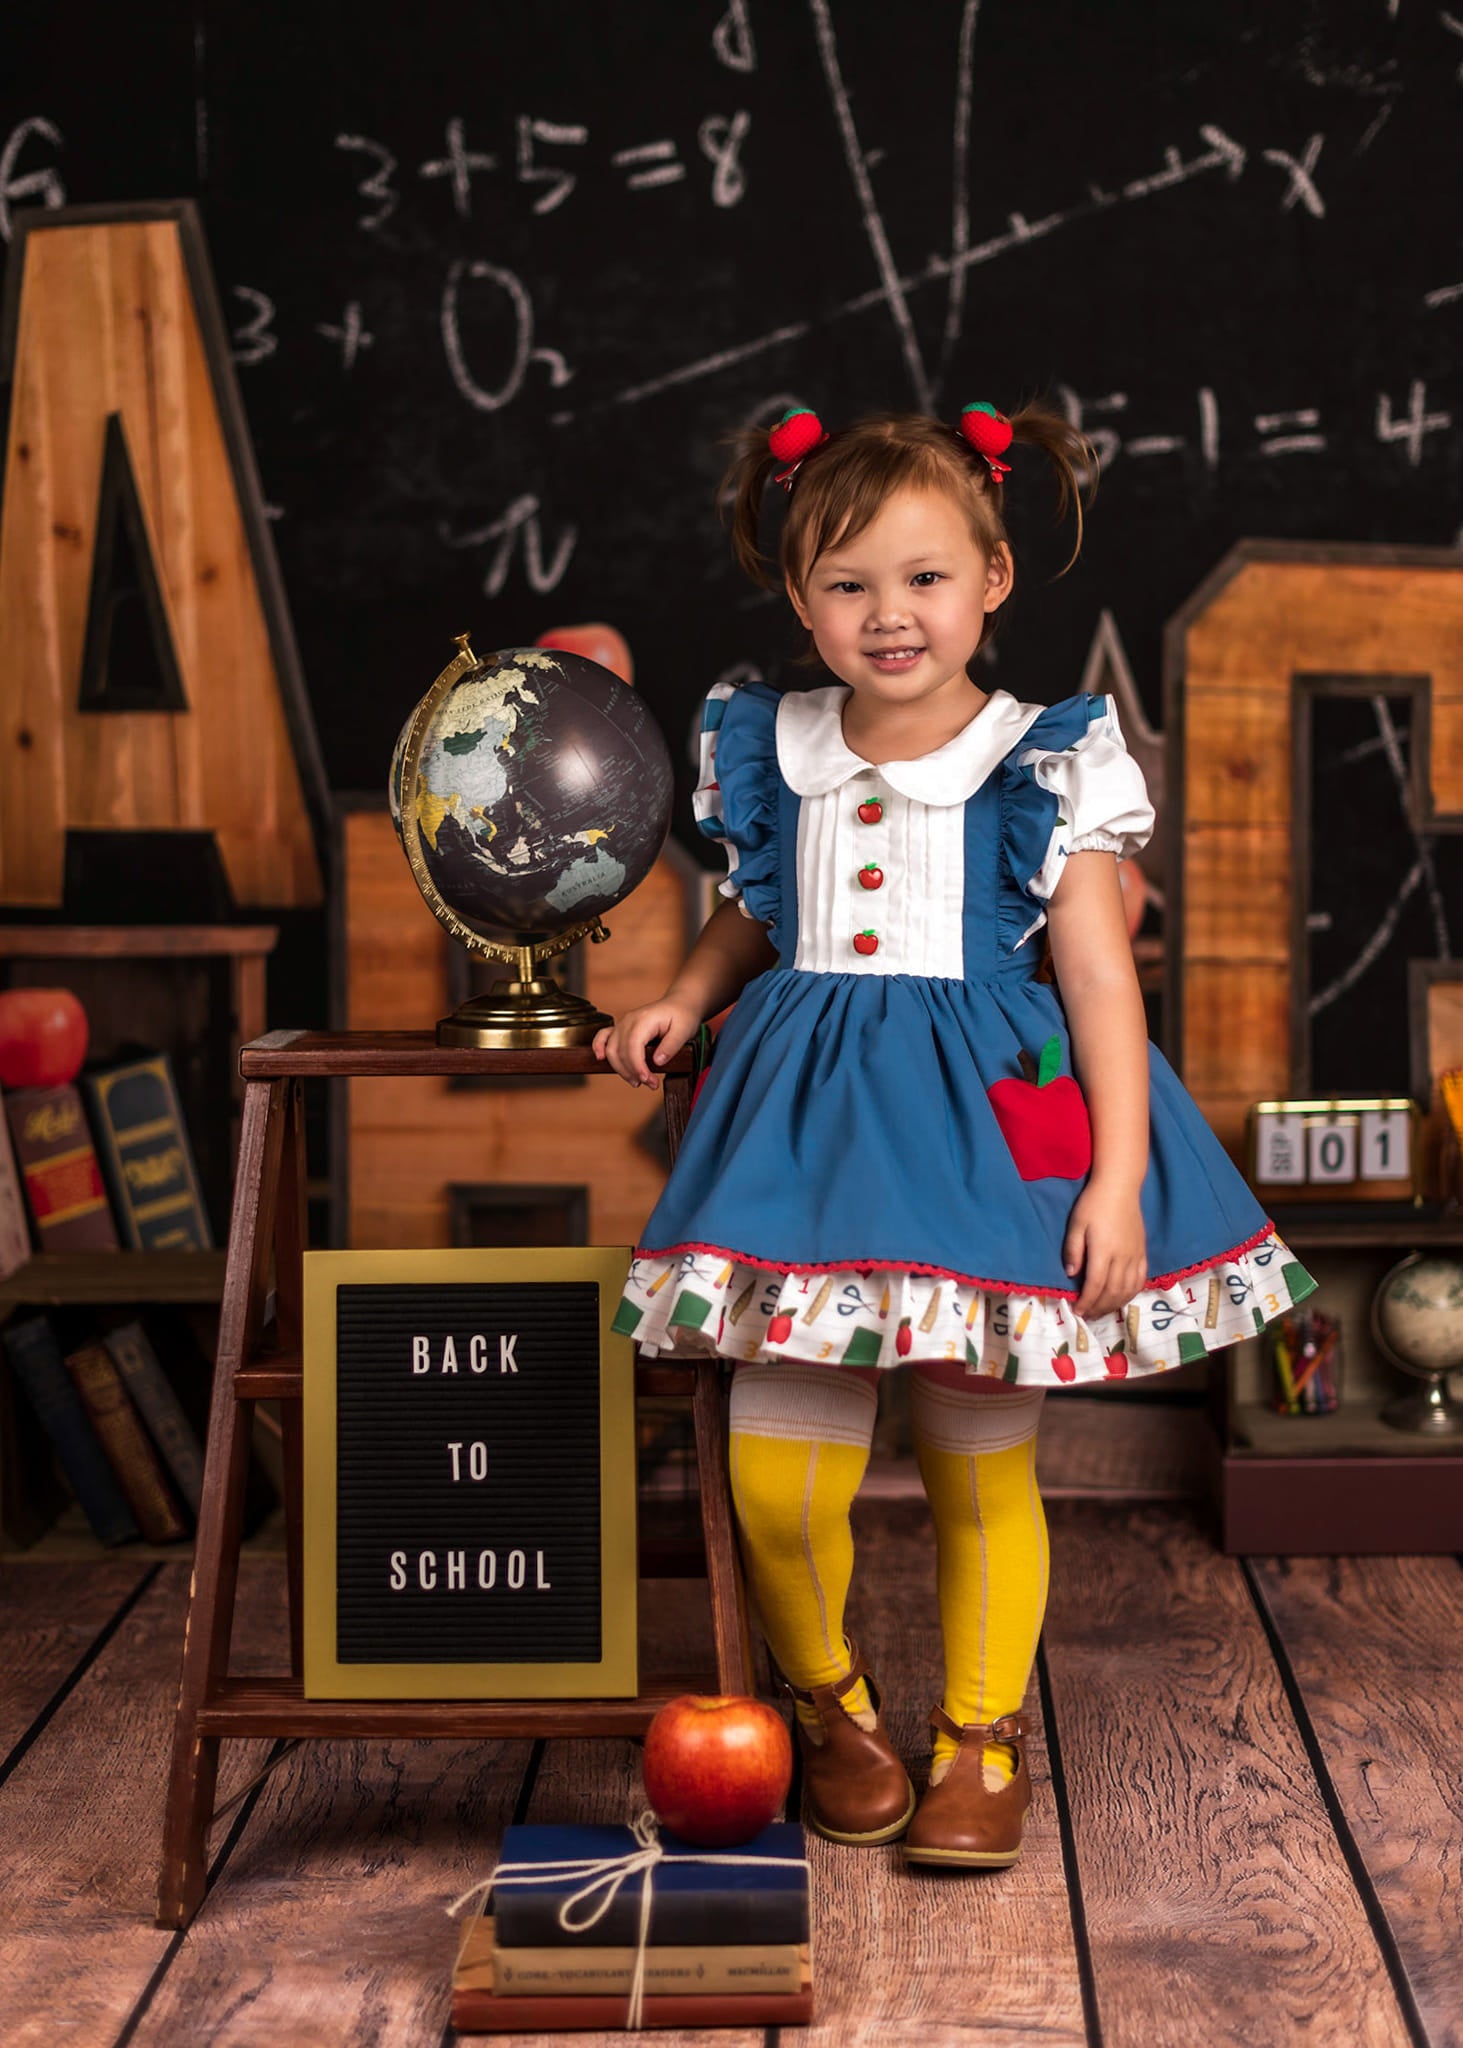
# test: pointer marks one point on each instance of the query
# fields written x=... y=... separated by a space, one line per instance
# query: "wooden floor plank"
x=50 y=1615
x=81 y=1826
x=1218 y=1903
x=936 y=1958
x=1374 y=1643
x=327 y=1924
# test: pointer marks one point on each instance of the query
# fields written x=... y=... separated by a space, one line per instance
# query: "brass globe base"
x=1433 y=1412
x=518 y=1014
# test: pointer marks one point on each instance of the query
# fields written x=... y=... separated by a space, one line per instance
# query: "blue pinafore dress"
x=872 y=1174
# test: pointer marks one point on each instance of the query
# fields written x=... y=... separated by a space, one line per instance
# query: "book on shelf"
x=693 y=1905
x=157 y=1403
x=39 y=1370
x=479 y=2008
x=142 y=1142
x=63 y=1177
x=138 y=1467
x=14 y=1230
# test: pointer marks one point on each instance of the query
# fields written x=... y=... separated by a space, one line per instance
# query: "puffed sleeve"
x=1076 y=788
x=736 y=793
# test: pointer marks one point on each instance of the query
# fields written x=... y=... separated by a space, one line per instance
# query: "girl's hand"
x=1105 y=1243
x=625 y=1043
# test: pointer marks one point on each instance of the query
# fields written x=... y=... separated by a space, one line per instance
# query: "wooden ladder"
x=267 y=1234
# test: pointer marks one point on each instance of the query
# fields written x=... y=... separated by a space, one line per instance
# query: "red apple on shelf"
x=42 y=1037
x=870 y=812
x=596 y=642
x=866 y=942
x=717 y=1767
x=1044 y=1120
x=871 y=875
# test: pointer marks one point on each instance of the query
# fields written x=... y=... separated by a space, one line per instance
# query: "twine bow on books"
x=602 y=1878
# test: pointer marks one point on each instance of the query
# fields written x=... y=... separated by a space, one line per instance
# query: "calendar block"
x=1339 y=1149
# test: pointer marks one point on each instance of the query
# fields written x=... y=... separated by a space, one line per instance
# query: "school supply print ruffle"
x=884 y=1152
x=694 y=1304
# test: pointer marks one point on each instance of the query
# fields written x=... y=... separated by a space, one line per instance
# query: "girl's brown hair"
x=841 y=485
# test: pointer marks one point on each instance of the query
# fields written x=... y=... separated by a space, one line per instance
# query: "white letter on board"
x=449 y=1356
x=506 y=1361
x=452 y=1452
x=477 y=1354
x=398 y=1571
x=477 y=1461
x=517 y=1565
x=490 y=1559
x=543 y=1584
x=421 y=1357
x=456 y=1570
x=427 y=1571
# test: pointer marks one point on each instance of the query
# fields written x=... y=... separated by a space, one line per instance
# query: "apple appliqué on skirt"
x=882 y=1162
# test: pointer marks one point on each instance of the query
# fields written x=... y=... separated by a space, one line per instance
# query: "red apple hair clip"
x=794 y=437
x=989 y=434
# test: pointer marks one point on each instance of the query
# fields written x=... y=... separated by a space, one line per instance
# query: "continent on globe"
x=542 y=795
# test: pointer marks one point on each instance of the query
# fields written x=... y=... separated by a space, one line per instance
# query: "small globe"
x=1418 y=1314
x=542 y=794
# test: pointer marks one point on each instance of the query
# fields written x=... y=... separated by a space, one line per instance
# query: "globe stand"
x=1432 y=1412
x=533 y=1010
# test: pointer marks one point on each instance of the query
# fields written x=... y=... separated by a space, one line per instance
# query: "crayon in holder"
x=1304 y=1356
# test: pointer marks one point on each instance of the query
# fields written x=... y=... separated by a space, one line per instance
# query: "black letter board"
x=469 y=1476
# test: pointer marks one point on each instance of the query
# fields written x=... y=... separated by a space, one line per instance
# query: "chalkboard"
x=500 y=280
x=470 y=1476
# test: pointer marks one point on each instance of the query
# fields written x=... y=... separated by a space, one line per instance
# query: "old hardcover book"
x=582 y=1973
x=39 y=1371
x=146 y=1157
x=126 y=1443
x=477 y=2008
x=14 y=1230
x=158 y=1405
x=693 y=1905
x=63 y=1179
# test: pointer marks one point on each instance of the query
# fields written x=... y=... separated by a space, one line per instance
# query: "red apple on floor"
x=871 y=876
x=1044 y=1121
x=42 y=1037
x=870 y=812
x=717 y=1767
x=866 y=942
x=596 y=642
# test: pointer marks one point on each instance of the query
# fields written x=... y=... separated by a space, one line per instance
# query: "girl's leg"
x=800 y=1437
x=976 y=1444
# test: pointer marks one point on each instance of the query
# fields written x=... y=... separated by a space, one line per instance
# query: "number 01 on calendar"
x=1342 y=1149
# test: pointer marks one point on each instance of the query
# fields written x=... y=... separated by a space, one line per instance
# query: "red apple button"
x=717 y=1767
x=866 y=942
x=1044 y=1121
x=871 y=812
x=871 y=875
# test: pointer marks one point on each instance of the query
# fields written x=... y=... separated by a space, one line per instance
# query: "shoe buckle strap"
x=838 y=1688
x=1005 y=1728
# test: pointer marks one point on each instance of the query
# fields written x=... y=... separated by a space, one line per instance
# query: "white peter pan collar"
x=815 y=758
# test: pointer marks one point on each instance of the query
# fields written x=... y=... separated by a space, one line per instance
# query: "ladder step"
x=277 y=1706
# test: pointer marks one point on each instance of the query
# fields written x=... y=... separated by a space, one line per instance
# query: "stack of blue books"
x=729 y=1943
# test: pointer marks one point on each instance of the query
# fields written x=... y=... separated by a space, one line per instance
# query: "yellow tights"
x=800 y=1440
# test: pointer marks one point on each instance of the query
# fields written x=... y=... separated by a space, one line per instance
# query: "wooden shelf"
x=1356 y=1432
x=1406 y=1229
x=54 y=1279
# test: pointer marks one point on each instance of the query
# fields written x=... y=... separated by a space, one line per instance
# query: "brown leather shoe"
x=858 y=1790
x=961 y=1822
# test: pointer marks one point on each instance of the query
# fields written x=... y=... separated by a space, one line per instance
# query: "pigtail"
x=744 y=487
x=1072 y=457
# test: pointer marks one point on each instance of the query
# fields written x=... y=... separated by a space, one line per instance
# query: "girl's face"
x=897 y=612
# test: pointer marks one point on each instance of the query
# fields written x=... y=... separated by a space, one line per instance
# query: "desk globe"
x=1417 y=1319
x=531 y=791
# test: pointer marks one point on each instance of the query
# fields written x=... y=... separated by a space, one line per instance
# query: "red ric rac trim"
x=867 y=1266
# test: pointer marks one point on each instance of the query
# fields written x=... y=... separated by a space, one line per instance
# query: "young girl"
x=911 y=1149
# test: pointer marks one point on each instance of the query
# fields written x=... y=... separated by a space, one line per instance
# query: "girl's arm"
x=732 y=948
x=1093 y=958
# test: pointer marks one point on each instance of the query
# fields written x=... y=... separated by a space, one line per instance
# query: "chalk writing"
x=491 y=398
x=732 y=38
x=1301 y=185
x=721 y=138
x=658 y=155
x=563 y=134
x=44 y=185
x=458 y=166
x=351 y=335
x=521 y=517
x=1415 y=424
x=254 y=342
x=378 y=185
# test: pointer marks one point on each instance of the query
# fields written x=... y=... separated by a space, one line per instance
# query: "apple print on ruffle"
x=1044 y=1119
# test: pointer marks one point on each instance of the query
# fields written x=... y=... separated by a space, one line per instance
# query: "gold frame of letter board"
x=616 y=1673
